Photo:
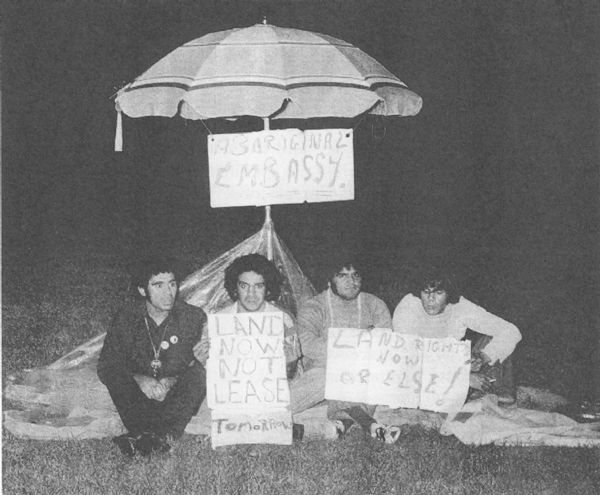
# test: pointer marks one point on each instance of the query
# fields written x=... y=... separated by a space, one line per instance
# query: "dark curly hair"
x=347 y=259
x=437 y=278
x=148 y=267
x=256 y=263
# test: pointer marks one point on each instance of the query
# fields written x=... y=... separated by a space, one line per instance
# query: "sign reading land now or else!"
x=397 y=370
x=247 y=388
x=281 y=166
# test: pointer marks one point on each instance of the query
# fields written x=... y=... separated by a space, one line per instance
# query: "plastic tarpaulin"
x=205 y=288
x=67 y=400
x=485 y=422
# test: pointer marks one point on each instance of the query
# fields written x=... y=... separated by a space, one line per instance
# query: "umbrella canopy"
x=268 y=72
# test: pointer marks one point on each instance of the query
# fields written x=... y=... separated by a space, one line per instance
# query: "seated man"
x=435 y=309
x=341 y=305
x=148 y=365
x=251 y=282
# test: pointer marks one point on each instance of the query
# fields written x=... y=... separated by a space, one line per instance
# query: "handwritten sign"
x=397 y=370
x=445 y=374
x=281 y=166
x=396 y=364
x=246 y=377
x=239 y=428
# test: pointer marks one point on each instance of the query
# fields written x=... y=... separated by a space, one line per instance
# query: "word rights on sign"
x=281 y=166
x=398 y=370
x=247 y=391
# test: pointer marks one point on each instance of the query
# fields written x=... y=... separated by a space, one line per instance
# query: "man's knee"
x=307 y=390
x=192 y=382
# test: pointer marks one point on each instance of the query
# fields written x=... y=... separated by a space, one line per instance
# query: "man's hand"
x=167 y=384
x=478 y=361
x=201 y=349
x=150 y=387
x=476 y=364
x=479 y=381
x=155 y=389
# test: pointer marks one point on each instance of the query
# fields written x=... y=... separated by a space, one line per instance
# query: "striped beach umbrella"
x=269 y=72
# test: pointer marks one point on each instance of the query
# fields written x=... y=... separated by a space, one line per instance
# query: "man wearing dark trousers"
x=148 y=365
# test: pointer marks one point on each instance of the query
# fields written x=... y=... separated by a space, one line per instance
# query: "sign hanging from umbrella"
x=268 y=72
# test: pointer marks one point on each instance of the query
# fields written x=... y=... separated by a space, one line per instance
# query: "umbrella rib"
x=191 y=44
x=308 y=78
x=246 y=79
x=188 y=87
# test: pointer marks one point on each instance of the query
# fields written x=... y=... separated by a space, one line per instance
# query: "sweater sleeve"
x=311 y=333
x=404 y=315
x=505 y=335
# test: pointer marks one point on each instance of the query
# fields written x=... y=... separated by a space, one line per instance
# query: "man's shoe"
x=150 y=443
x=589 y=411
x=342 y=426
x=173 y=442
x=384 y=433
x=505 y=398
x=126 y=444
x=582 y=412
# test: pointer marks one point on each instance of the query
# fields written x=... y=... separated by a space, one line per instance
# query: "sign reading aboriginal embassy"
x=397 y=370
x=281 y=166
x=248 y=392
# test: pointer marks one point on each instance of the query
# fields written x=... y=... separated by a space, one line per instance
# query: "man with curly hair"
x=253 y=283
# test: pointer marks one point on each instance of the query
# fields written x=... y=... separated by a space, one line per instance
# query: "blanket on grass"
x=484 y=422
x=65 y=404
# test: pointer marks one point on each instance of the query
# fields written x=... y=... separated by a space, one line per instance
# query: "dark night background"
x=499 y=171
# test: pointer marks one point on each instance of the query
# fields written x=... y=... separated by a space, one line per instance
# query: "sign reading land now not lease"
x=247 y=388
x=398 y=370
x=281 y=166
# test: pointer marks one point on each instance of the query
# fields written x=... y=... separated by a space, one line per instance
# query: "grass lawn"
x=423 y=462
x=49 y=315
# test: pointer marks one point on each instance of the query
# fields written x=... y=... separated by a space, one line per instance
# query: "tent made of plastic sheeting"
x=66 y=400
x=205 y=288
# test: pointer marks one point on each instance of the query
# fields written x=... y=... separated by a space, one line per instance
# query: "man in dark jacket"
x=148 y=365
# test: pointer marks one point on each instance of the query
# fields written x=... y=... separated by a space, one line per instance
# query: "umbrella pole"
x=269 y=226
x=268 y=221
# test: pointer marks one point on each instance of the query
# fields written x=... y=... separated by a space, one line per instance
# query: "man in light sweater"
x=436 y=309
x=341 y=305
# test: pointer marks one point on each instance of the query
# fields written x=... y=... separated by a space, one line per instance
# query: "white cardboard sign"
x=239 y=428
x=398 y=370
x=246 y=379
x=281 y=166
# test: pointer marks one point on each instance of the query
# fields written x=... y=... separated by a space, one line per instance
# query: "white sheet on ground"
x=491 y=423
